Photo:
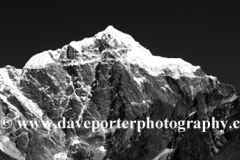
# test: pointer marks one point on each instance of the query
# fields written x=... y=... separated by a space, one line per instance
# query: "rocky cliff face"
x=109 y=77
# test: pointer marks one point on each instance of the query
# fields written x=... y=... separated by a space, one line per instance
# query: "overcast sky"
x=201 y=32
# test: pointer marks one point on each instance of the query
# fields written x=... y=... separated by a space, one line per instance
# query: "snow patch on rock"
x=39 y=61
x=10 y=148
x=7 y=84
x=61 y=156
x=139 y=80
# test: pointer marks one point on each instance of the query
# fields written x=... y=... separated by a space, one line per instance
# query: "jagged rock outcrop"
x=109 y=77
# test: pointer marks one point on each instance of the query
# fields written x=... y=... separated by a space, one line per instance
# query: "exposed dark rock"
x=71 y=52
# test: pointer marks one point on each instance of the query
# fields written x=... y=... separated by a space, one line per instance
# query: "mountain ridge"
x=110 y=76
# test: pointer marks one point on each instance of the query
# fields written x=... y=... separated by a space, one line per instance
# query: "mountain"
x=111 y=77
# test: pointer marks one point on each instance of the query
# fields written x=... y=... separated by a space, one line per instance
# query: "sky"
x=205 y=33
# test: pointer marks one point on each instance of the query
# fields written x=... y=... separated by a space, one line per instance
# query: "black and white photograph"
x=120 y=80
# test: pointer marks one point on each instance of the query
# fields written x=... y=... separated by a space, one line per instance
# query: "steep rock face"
x=109 y=77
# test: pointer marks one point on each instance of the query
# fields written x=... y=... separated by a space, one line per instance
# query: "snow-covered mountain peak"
x=110 y=38
x=110 y=30
x=112 y=34
x=120 y=46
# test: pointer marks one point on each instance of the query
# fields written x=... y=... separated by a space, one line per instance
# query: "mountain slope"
x=108 y=77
